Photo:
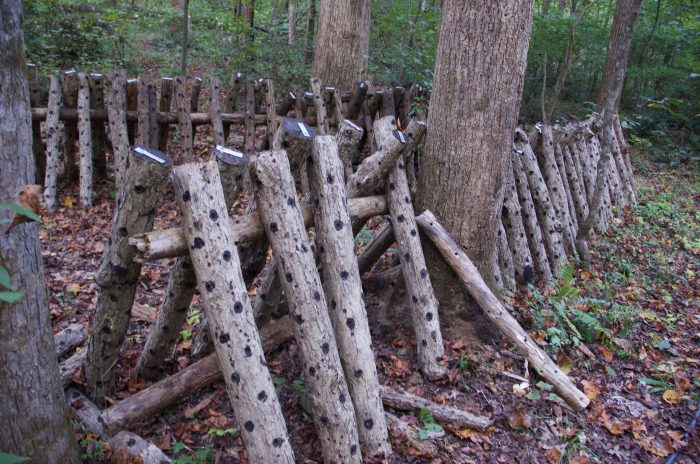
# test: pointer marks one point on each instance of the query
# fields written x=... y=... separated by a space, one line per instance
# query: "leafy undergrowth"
x=627 y=332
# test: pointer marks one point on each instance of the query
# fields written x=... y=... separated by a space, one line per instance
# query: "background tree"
x=610 y=90
x=33 y=407
x=342 y=42
x=473 y=112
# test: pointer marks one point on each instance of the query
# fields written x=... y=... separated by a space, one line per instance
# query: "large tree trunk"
x=32 y=406
x=342 y=42
x=479 y=72
x=613 y=77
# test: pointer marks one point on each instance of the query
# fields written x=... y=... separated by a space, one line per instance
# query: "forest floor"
x=627 y=332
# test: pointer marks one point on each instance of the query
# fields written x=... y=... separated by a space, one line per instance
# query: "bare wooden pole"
x=497 y=313
x=197 y=82
x=70 y=129
x=326 y=386
x=53 y=139
x=38 y=149
x=343 y=291
x=232 y=93
x=118 y=131
x=166 y=98
x=184 y=120
x=231 y=321
x=321 y=116
x=85 y=139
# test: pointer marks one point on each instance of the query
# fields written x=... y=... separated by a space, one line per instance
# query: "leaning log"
x=196 y=90
x=118 y=275
x=422 y=299
x=512 y=218
x=70 y=128
x=504 y=258
x=169 y=243
x=327 y=389
x=166 y=99
x=343 y=291
x=69 y=338
x=38 y=149
x=321 y=115
x=376 y=248
x=231 y=322
x=234 y=88
x=118 y=131
x=348 y=139
x=184 y=120
x=497 y=313
x=53 y=139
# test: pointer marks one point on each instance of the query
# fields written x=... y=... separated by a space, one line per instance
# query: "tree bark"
x=144 y=182
x=53 y=139
x=70 y=129
x=340 y=58
x=69 y=338
x=166 y=99
x=482 y=52
x=185 y=36
x=325 y=383
x=515 y=232
x=118 y=131
x=343 y=291
x=505 y=260
x=196 y=91
x=498 y=314
x=231 y=322
x=232 y=93
x=32 y=405
x=184 y=121
x=38 y=148
x=292 y=22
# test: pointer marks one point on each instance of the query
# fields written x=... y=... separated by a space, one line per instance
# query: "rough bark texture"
x=196 y=91
x=375 y=249
x=331 y=407
x=234 y=88
x=578 y=193
x=85 y=138
x=482 y=52
x=69 y=338
x=322 y=125
x=169 y=243
x=422 y=300
x=184 y=120
x=348 y=139
x=532 y=226
x=117 y=277
x=231 y=322
x=37 y=144
x=53 y=140
x=505 y=260
x=498 y=314
x=515 y=232
x=32 y=407
x=166 y=100
x=340 y=57
x=343 y=291
x=70 y=128
x=118 y=131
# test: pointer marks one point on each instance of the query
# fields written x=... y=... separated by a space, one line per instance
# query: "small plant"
x=201 y=456
x=429 y=425
x=218 y=433
x=299 y=386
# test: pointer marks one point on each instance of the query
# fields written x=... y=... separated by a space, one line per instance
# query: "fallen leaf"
x=554 y=456
x=647 y=444
x=590 y=389
x=637 y=427
x=68 y=201
x=29 y=198
x=519 y=420
x=671 y=396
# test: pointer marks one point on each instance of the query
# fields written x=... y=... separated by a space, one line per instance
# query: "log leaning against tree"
x=169 y=243
x=498 y=314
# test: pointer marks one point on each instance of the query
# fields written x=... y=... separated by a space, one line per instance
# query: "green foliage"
x=6 y=458
x=200 y=456
x=8 y=296
x=429 y=426
x=299 y=386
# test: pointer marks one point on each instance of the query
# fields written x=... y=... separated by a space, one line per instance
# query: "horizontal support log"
x=69 y=338
x=169 y=243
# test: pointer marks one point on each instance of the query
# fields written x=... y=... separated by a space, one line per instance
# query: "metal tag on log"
x=400 y=136
x=230 y=156
x=298 y=128
x=152 y=155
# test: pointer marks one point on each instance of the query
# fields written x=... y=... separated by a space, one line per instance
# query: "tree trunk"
x=185 y=36
x=611 y=87
x=144 y=182
x=342 y=42
x=325 y=383
x=482 y=52
x=343 y=290
x=231 y=322
x=292 y=22
x=32 y=406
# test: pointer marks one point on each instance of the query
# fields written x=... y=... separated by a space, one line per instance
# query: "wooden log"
x=231 y=322
x=375 y=103
x=407 y=106
x=497 y=313
x=593 y=155
x=286 y=105
x=496 y=267
x=325 y=383
x=616 y=187
x=126 y=446
x=578 y=194
x=401 y=111
x=184 y=121
x=356 y=100
x=348 y=139
x=143 y=126
x=551 y=227
x=530 y=222
x=164 y=106
x=196 y=90
x=271 y=111
x=268 y=294
x=404 y=401
x=146 y=404
x=422 y=300
x=69 y=338
x=628 y=189
x=169 y=243
x=118 y=130
x=153 y=126
x=131 y=102
x=299 y=104
x=217 y=125
x=53 y=139
x=38 y=149
x=625 y=152
x=388 y=107
x=377 y=166
x=70 y=129
x=343 y=291
x=295 y=137
x=505 y=259
x=512 y=218
x=85 y=139
x=249 y=143
x=117 y=277
x=561 y=167
x=232 y=93
x=337 y=108
x=70 y=366
x=369 y=128
x=555 y=187
x=322 y=125
x=375 y=249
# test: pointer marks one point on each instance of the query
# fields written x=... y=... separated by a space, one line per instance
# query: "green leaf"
x=433 y=427
x=544 y=386
x=5 y=280
x=12 y=458
x=22 y=211
x=534 y=395
x=423 y=434
x=11 y=297
x=610 y=371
